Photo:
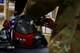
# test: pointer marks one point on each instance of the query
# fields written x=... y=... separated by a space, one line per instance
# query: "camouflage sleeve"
x=39 y=8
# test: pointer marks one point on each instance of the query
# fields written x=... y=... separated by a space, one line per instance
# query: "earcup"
x=23 y=26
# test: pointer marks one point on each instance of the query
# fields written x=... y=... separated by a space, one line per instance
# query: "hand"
x=49 y=23
x=6 y=24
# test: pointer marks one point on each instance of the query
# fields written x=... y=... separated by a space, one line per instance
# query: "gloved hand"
x=48 y=22
x=6 y=24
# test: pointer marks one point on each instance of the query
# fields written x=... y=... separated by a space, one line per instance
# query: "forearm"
x=39 y=8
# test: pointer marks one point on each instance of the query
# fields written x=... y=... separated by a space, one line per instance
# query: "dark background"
x=19 y=6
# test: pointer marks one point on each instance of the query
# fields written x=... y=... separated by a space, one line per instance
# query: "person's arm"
x=40 y=7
